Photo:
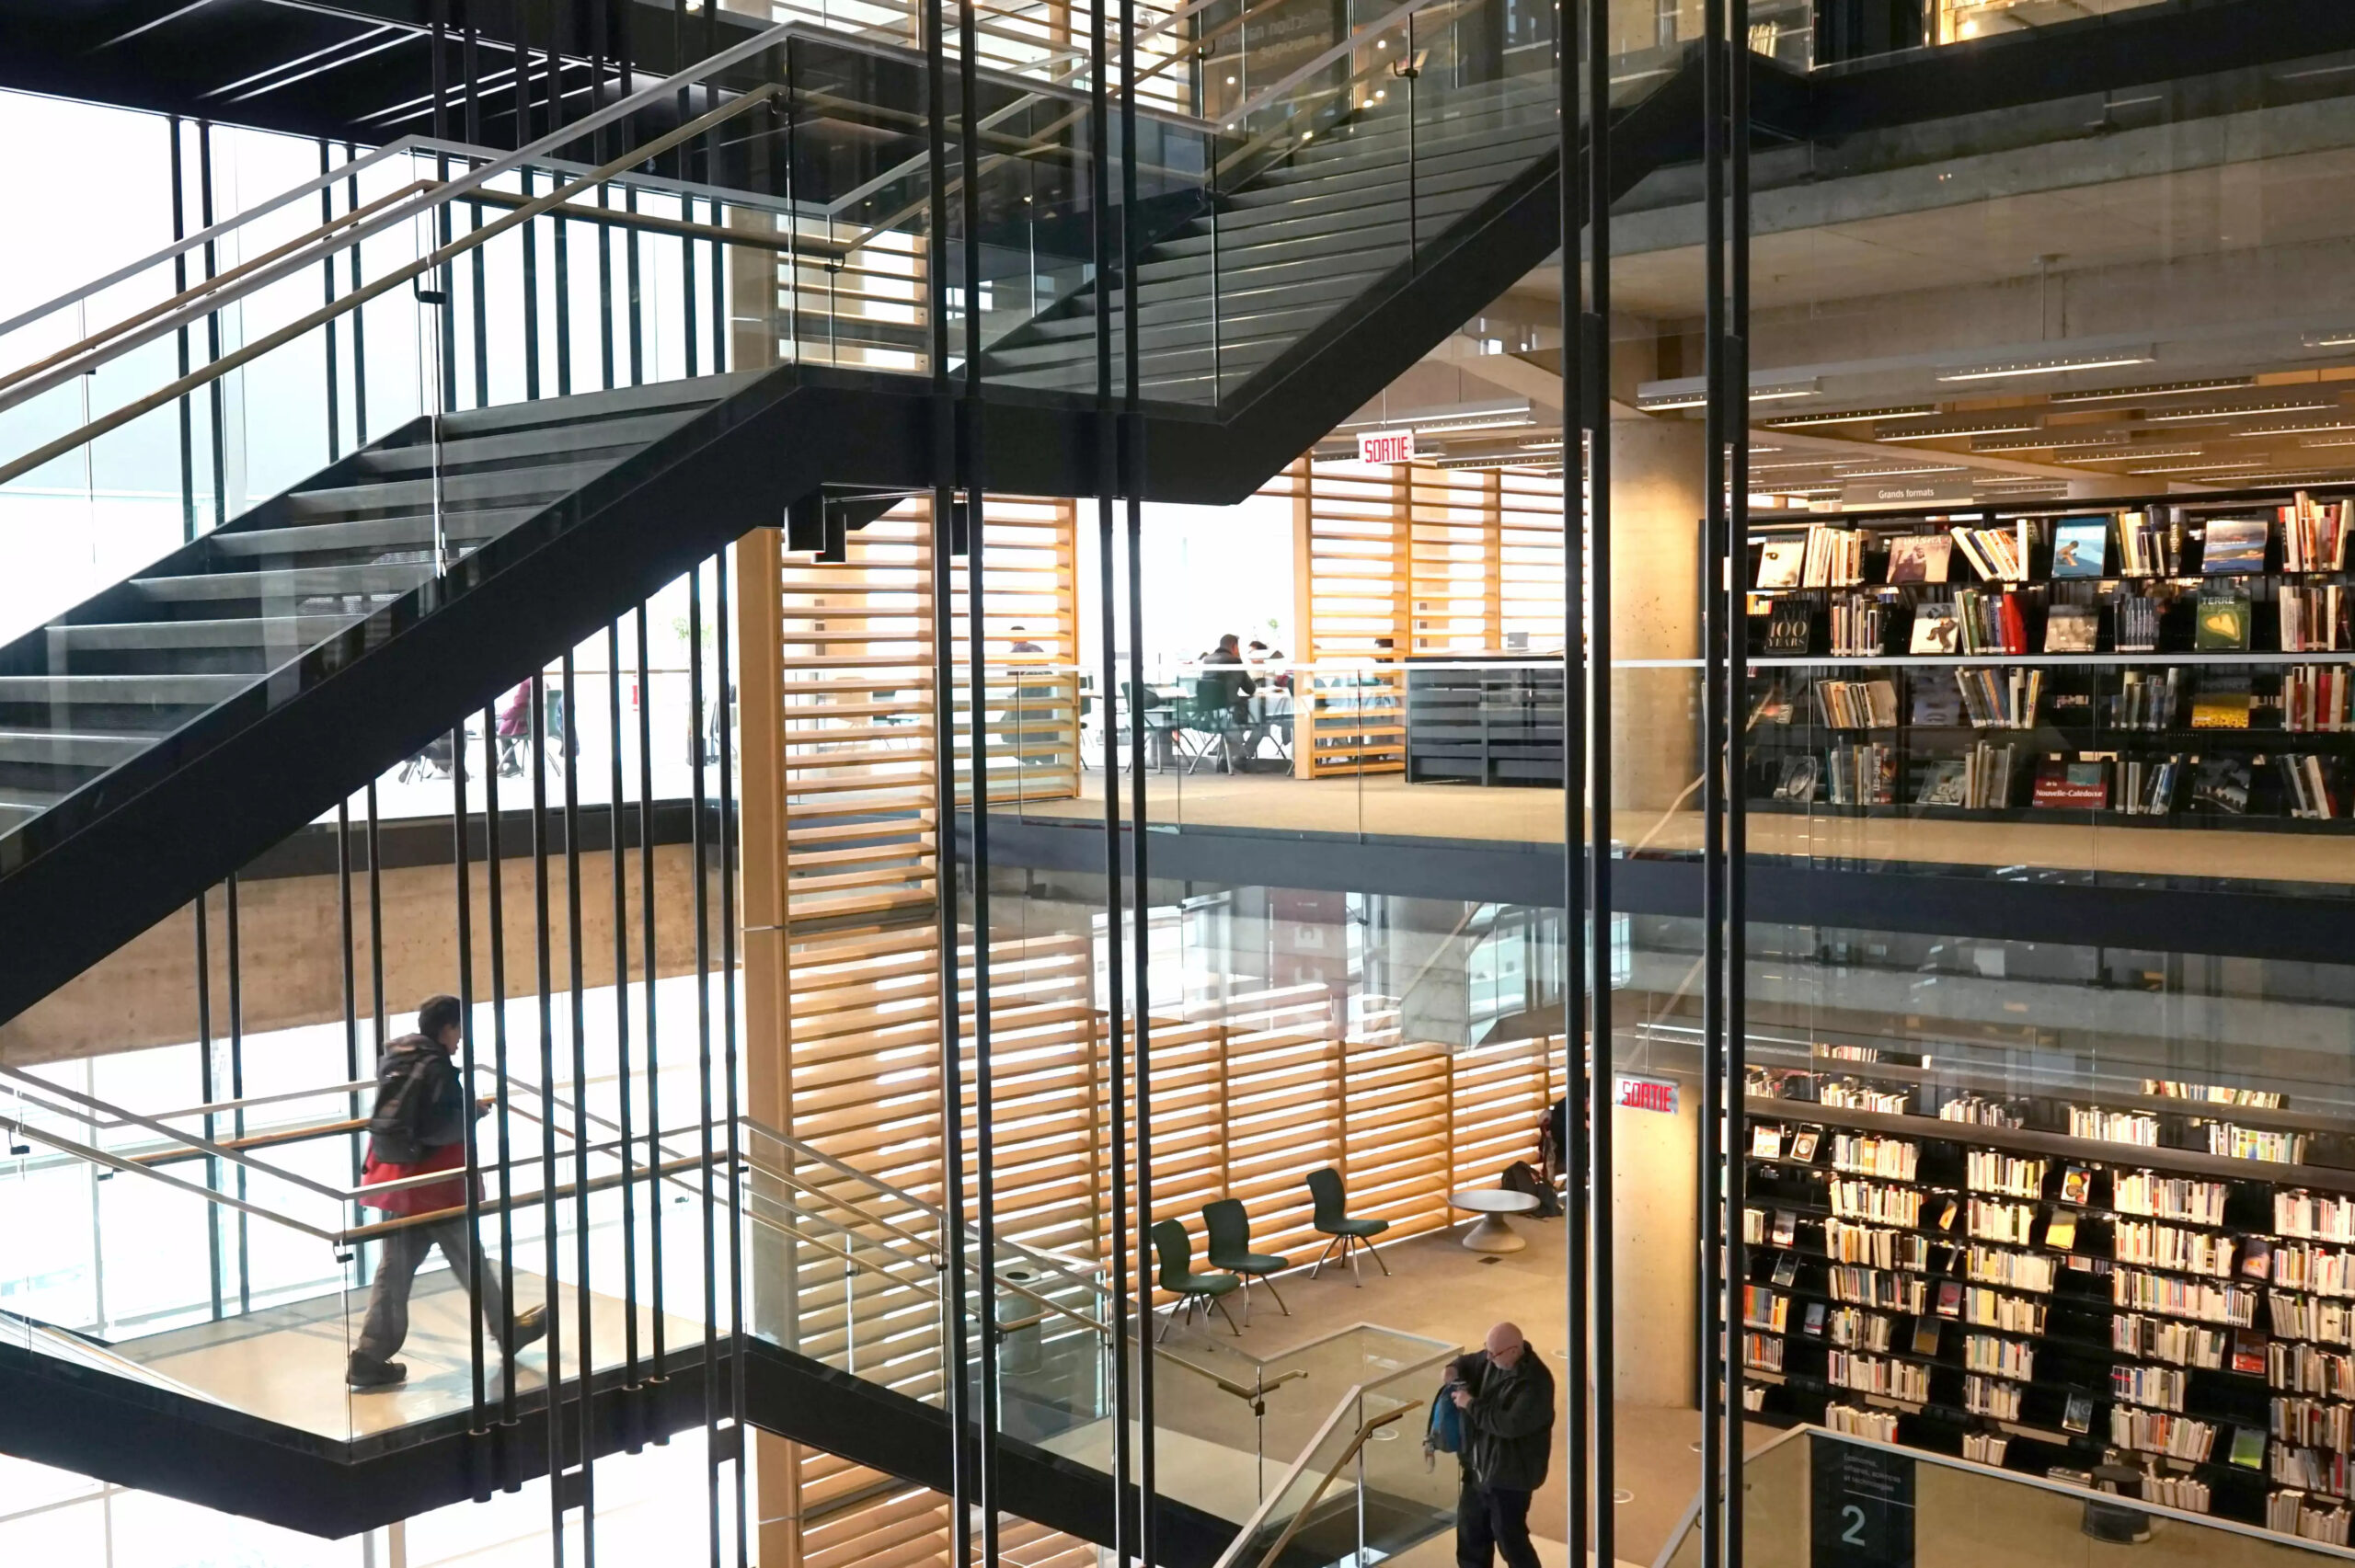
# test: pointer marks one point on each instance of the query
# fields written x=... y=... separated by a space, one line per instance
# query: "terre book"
x=2223 y=624
x=2081 y=547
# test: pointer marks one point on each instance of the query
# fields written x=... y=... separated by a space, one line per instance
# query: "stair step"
x=689 y=395
x=239 y=632
x=541 y=482
x=367 y=579
x=166 y=690
x=1171 y=302
x=71 y=748
x=1284 y=319
x=1488 y=159
x=410 y=531
x=456 y=455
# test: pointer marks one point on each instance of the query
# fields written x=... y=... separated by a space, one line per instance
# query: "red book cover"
x=2015 y=628
x=2082 y=784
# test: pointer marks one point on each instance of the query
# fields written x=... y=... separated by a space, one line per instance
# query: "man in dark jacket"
x=418 y=1127
x=1507 y=1396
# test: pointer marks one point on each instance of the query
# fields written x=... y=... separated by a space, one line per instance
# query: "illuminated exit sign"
x=1648 y=1094
x=1385 y=446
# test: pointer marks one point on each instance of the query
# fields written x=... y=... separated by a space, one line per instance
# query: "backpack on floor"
x=1520 y=1177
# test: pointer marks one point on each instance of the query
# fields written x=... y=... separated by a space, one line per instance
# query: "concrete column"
x=1656 y=506
x=1655 y=1209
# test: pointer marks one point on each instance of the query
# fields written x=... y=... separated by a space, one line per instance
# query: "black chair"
x=1332 y=1218
x=1178 y=1277
x=1229 y=1234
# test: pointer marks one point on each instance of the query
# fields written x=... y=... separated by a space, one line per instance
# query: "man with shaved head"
x=1506 y=1398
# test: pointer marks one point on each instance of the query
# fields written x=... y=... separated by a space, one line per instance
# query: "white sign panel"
x=1385 y=446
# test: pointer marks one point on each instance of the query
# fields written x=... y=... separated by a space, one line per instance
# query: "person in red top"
x=418 y=1127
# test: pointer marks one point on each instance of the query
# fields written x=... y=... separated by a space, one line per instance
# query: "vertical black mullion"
x=944 y=677
x=621 y=1003
x=376 y=920
x=494 y=905
x=215 y=391
x=1574 y=1037
x=1597 y=337
x=327 y=297
x=445 y=314
x=1116 y=1029
x=522 y=18
x=358 y=318
x=1717 y=1354
x=647 y=966
x=461 y=859
x=180 y=286
x=598 y=144
x=235 y=955
x=1736 y=705
x=627 y=56
x=729 y=1060
x=1132 y=490
x=352 y=1103
x=702 y=900
x=561 y=243
x=205 y=1079
x=479 y=265
x=549 y=1240
x=584 y=1446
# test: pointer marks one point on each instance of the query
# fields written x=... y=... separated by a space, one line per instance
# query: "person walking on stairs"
x=418 y=1127
x=1504 y=1397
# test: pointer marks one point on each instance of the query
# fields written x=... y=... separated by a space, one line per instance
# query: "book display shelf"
x=2168 y=664
x=2161 y=1281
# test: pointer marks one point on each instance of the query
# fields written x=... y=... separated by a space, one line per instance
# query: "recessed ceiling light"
x=2337 y=337
x=2300 y=429
x=2162 y=389
x=2050 y=365
x=2234 y=411
x=2138 y=454
x=2049 y=441
x=1798 y=421
x=1992 y=427
x=1691 y=392
x=2199 y=467
x=1491 y=422
x=1894 y=473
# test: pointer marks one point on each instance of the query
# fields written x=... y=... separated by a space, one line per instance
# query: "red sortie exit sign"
x=1385 y=446
x=1648 y=1094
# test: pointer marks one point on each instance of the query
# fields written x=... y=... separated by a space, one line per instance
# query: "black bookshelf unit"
x=2050 y=692
x=1486 y=720
x=2138 y=1297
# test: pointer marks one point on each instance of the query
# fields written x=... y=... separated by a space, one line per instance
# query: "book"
x=2071 y=628
x=2234 y=547
x=1951 y=1298
x=2064 y=782
x=1919 y=557
x=1791 y=628
x=2257 y=1256
x=2061 y=1232
x=1947 y=783
x=2249 y=1447
x=1786 y=1269
x=2138 y=623
x=1936 y=630
x=2222 y=702
x=1798 y=778
x=1766 y=1142
x=2248 y=1352
x=1782 y=560
x=1814 y=1323
x=2077 y=1185
x=1786 y=1227
x=1946 y=1215
x=1803 y=1146
x=2221 y=785
x=2077 y=1415
x=1938 y=701
x=2081 y=547
x=2223 y=624
x=1927 y=1332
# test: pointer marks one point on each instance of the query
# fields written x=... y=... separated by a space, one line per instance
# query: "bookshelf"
x=2167 y=664
x=1953 y=1268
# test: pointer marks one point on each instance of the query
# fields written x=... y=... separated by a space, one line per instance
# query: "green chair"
x=1229 y=1229
x=1195 y=1292
x=1332 y=1218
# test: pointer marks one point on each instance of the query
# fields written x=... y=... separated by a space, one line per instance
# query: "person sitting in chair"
x=1237 y=681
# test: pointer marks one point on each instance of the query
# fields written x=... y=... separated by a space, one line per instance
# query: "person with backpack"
x=418 y=1126
x=1501 y=1400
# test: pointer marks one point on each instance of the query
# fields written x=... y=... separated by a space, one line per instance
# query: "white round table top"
x=1492 y=1200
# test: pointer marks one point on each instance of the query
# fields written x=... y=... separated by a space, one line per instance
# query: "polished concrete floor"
x=286 y=1364
x=1386 y=805
x=1436 y=1287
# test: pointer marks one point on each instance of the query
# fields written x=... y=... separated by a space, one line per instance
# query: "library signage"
x=1905 y=492
x=1385 y=446
x=1648 y=1094
x=1863 y=1506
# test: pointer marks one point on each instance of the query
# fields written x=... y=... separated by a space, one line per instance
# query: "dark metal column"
x=1712 y=1311
x=1736 y=707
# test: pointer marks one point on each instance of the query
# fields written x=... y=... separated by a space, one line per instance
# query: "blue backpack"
x=1445 y=1433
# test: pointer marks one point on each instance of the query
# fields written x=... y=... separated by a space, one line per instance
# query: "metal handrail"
x=1232 y=1557
x=357 y=297
x=1299 y=1516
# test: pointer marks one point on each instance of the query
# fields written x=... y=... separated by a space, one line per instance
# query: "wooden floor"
x=1386 y=805
x=286 y=1364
